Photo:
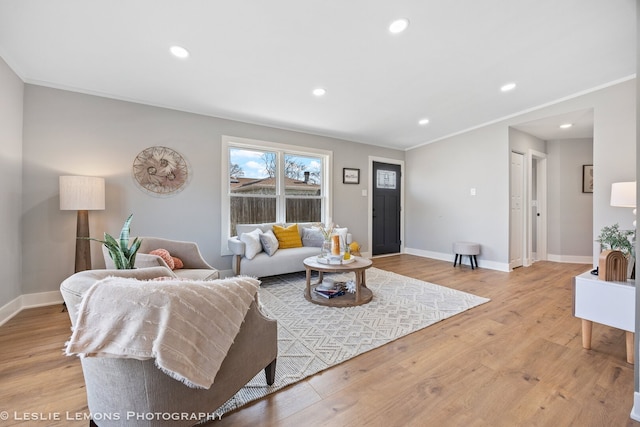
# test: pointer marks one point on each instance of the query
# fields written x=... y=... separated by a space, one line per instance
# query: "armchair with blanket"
x=129 y=390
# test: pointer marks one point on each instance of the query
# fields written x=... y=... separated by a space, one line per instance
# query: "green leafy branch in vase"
x=613 y=238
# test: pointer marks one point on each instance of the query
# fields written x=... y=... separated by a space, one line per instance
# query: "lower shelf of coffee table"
x=346 y=300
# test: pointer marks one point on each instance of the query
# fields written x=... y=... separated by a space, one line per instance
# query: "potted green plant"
x=123 y=255
x=615 y=239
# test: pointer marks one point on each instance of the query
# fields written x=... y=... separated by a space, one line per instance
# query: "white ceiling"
x=547 y=129
x=257 y=61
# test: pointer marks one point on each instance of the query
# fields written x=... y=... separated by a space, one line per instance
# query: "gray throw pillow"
x=269 y=242
x=312 y=237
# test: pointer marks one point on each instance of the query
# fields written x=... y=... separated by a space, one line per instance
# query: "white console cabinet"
x=608 y=303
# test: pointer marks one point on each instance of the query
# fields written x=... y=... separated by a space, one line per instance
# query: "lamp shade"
x=623 y=194
x=81 y=193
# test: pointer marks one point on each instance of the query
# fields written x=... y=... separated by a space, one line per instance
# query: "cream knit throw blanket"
x=187 y=326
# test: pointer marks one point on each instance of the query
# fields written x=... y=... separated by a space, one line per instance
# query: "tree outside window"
x=274 y=186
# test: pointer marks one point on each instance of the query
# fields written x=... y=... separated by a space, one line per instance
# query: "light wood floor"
x=515 y=361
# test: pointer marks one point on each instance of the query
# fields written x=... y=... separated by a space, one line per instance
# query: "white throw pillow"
x=252 y=243
x=269 y=242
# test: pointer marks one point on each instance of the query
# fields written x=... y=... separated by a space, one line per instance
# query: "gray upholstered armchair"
x=117 y=388
x=195 y=267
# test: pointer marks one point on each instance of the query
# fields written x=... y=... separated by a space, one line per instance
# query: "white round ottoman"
x=466 y=248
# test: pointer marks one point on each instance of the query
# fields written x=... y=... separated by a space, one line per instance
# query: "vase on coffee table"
x=325 y=251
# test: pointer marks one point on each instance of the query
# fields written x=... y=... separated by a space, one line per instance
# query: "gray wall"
x=569 y=210
x=11 y=98
x=614 y=153
x=439 y=176
x=439 y=206
x=522 y=142
x=69 y=133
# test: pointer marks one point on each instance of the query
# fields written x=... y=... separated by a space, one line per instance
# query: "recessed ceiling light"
x=179 y=52
x=319 y=91
x=566 y=125
x=423 y=122
x=399 y=25
x=508 y=87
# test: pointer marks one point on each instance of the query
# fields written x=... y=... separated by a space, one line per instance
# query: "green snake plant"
x=123 y=255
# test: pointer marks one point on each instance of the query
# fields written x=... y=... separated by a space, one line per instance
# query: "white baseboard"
x=491 y=265
x=635 y=411
x=10 y=309
x=40 y=299
x=573 y=259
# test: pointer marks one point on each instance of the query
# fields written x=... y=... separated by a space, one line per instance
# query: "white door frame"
x=522 y=231
x=370 y=201
x=541 y=202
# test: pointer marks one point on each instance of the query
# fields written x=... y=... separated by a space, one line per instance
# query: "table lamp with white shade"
x=623 y=195
x=82 y=194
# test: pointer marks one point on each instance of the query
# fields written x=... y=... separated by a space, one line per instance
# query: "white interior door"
x=516 y=218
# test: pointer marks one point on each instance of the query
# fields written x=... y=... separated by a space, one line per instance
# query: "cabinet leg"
x=630 y=351
x=587 y=326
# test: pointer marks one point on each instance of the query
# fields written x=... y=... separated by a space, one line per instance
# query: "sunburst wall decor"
x=160 y=171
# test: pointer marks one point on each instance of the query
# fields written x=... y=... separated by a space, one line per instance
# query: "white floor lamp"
x=82 y=194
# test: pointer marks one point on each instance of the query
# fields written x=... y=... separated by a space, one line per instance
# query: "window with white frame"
x=271 y=182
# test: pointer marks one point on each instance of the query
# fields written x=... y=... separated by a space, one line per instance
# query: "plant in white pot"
x=123 y=255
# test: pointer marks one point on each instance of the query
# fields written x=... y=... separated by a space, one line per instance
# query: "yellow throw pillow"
x=288 y=237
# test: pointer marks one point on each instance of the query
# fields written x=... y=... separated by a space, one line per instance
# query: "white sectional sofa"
x=281 y=261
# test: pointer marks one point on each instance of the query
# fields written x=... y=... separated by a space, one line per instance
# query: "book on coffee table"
x=329 y=293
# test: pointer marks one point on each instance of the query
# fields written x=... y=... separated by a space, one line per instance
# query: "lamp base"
x=83 y=248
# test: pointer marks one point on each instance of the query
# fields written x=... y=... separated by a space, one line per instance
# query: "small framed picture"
x=350 y=176
x=587 y=178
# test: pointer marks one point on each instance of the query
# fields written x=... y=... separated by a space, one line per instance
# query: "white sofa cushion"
x=252 y=242
x=282 y=262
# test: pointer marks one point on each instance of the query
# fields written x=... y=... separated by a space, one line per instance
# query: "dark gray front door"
x=386 y=209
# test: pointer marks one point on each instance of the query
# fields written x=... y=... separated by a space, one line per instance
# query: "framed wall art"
x=160 y=171
x=350 y=176
x=587 y=178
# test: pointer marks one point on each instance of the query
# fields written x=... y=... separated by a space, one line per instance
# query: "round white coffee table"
x=362 y=295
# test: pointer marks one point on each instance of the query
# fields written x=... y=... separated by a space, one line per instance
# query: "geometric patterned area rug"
x=312 y=337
